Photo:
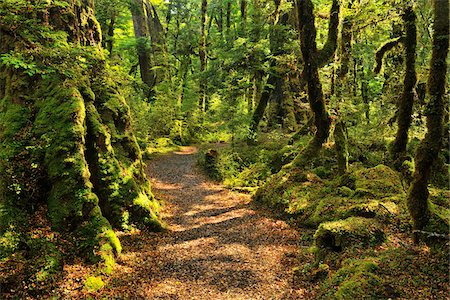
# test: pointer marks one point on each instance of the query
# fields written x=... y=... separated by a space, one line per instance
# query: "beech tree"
x=66 y=144
x=313 y=59
x=429 y=148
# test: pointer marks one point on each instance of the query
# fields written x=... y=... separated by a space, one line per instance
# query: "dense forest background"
x=332 y=113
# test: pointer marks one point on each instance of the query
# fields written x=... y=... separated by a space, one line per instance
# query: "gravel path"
x=218 y=246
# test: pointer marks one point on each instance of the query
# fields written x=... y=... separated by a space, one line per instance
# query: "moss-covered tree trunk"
x=65 y=136
x=321 y=57
x=326 y=54
x=429 y=148
x=407 y=100
x=340 y=129
x=311 y=73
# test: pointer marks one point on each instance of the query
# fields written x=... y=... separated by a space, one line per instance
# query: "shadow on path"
x=218 y=245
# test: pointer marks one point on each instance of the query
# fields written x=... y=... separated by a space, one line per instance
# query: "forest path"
x=218 y=245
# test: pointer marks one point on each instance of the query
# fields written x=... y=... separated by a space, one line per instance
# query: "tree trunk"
x=203 y=59
x=110 y=34
x=325 y=55
x=261 y=108
x=315 y=93
x=228 y=24
x=243 y=17
x=66 y=141
x=429 y=148
x=346 y=46
x=158 y=42
x=142 y=47
x=341 y=146
x=407 y=100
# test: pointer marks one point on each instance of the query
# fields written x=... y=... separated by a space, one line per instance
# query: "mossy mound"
x=357 y=279
x=351 y=232
x=397 y=272
x=380 y=181
x=371 y=193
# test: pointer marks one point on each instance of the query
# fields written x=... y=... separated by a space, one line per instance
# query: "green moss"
x=356 y=279
x=107 y=256
x=363 y=284
x=373 y=209
x=345 y=191
x=322 y=172
x=13 y=117
x=379 y=181
x=351 y=232
x=94 y=283
x=9 y=242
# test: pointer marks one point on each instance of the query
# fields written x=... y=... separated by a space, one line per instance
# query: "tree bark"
x=315 y=93
x=429 y=148
x=409 y=82
x=142 y=46
x=73 y=136
x=243 y=16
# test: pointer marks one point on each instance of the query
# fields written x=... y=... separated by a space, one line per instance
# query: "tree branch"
x=326 y=53
x=382 y=51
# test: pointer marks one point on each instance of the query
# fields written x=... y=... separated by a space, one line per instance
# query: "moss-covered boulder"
x=380 y=181
x=351 y=232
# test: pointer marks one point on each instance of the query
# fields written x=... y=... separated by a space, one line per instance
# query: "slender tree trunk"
x=407 y=100
x=341 y=145
x=261 y=107
x=243 y=17
x=203 y=59
x=346 y=46
x=228 y=24
x=142 y=39
x=340 y=129
x=219 y=20
x=110 y=34
x=429 y=148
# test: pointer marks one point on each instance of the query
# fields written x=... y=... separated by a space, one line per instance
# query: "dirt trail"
x=217 y=247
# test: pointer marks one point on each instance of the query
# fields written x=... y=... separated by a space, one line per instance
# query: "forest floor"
x=218 y=245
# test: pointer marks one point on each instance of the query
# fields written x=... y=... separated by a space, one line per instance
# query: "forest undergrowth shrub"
x=241 y=165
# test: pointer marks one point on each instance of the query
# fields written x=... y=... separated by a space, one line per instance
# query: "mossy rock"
x=380 y=181
x=272 y=193
x=373 y=209
x=353 y=231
